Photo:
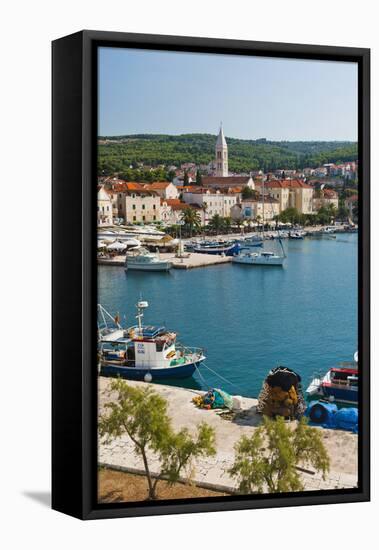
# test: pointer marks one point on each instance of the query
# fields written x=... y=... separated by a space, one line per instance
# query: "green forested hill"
x=244 y=155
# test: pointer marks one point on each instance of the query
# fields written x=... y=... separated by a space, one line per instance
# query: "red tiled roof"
x=122 y=186
x=158 y=184
x=228 y=180
x=287 y=184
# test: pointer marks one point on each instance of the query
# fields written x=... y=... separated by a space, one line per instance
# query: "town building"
x=323 y=198
x=104 y=207
x=165 y=189
x=211 y=202
x=139 y=206
x=290 y=194
x=227 y=182
x=256 y=209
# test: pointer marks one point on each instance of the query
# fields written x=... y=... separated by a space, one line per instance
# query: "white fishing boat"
x=143 y=260
x=143 y=352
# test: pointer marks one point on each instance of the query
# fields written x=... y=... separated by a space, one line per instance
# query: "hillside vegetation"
x=244 y=155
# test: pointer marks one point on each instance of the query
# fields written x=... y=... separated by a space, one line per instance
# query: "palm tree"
x=216 y=223
x=191 y=219
x=227 y=224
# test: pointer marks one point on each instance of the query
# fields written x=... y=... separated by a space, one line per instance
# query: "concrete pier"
x=211 y=472
x=188 y=261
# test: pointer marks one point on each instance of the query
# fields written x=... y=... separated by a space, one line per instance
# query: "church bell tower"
x=221 y=155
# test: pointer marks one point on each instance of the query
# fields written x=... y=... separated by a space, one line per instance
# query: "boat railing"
x=185 y=350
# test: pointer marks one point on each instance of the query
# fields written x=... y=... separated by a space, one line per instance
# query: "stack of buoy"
x=281 y=394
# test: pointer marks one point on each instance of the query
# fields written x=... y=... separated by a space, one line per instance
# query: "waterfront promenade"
x=211 y=472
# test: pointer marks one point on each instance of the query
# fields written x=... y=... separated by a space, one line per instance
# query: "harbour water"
x=250 y=319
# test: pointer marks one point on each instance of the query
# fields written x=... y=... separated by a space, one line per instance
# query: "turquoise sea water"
x=250 y=319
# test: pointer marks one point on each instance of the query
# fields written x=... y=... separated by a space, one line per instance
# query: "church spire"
x=221 y=154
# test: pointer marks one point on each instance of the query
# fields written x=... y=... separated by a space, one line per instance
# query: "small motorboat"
x=142 y=260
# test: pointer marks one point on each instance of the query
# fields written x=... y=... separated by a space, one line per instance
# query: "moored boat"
x=227 y=250
x=143 y=260
x=258 y=258
x=339 y=384
x=145 y=352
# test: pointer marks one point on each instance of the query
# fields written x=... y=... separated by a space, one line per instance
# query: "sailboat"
x=262 y=257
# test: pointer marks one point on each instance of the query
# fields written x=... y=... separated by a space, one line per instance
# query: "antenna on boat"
x=141 y=305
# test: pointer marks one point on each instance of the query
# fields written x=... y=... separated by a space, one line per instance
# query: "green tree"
x=185 y=179
x=247 y=192
x=290 y=215
x=216 y=223
x=343 y=212
x=199 y=179
x=142 y=415
x=192 y=219
x=268 y=459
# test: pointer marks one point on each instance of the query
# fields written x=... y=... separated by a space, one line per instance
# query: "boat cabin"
x=146 y=347
x=344 y=377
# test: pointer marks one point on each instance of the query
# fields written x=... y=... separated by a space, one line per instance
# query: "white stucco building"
x=104 y=207
x=211 y=202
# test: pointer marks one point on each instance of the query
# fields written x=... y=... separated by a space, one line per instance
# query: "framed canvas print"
x=210 y=275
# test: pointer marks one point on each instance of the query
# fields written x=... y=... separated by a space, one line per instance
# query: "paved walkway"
x=212 y=472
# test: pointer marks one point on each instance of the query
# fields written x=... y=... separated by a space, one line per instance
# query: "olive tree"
x=268 y=460
x=142 y=414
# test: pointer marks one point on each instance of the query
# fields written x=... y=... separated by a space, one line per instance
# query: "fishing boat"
x=143 y=352
x=339 y=384
x=143 y=260
x=262 y=257
x=216 y=248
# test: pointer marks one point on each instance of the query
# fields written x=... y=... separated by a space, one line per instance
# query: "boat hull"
x=227 y=251
x=258 y=261
x=320 y=390
x=133 y=373
x=161 y=266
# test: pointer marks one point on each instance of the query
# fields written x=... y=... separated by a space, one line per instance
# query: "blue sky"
x=157 y=92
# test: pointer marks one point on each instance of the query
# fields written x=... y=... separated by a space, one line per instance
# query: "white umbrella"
x=133 y=242
x=117 y=246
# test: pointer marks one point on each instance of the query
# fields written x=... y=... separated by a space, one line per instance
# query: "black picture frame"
x=74 y=386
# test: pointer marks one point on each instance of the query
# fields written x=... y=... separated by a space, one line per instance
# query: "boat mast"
x=141 y=305
x=263 y=204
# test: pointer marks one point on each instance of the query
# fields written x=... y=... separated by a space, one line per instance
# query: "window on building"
x=134 y=206
x=143 y=207
x=134 y=218
x=154 y=218
x=218 y=154
x=143 y=218
x=154 y=208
